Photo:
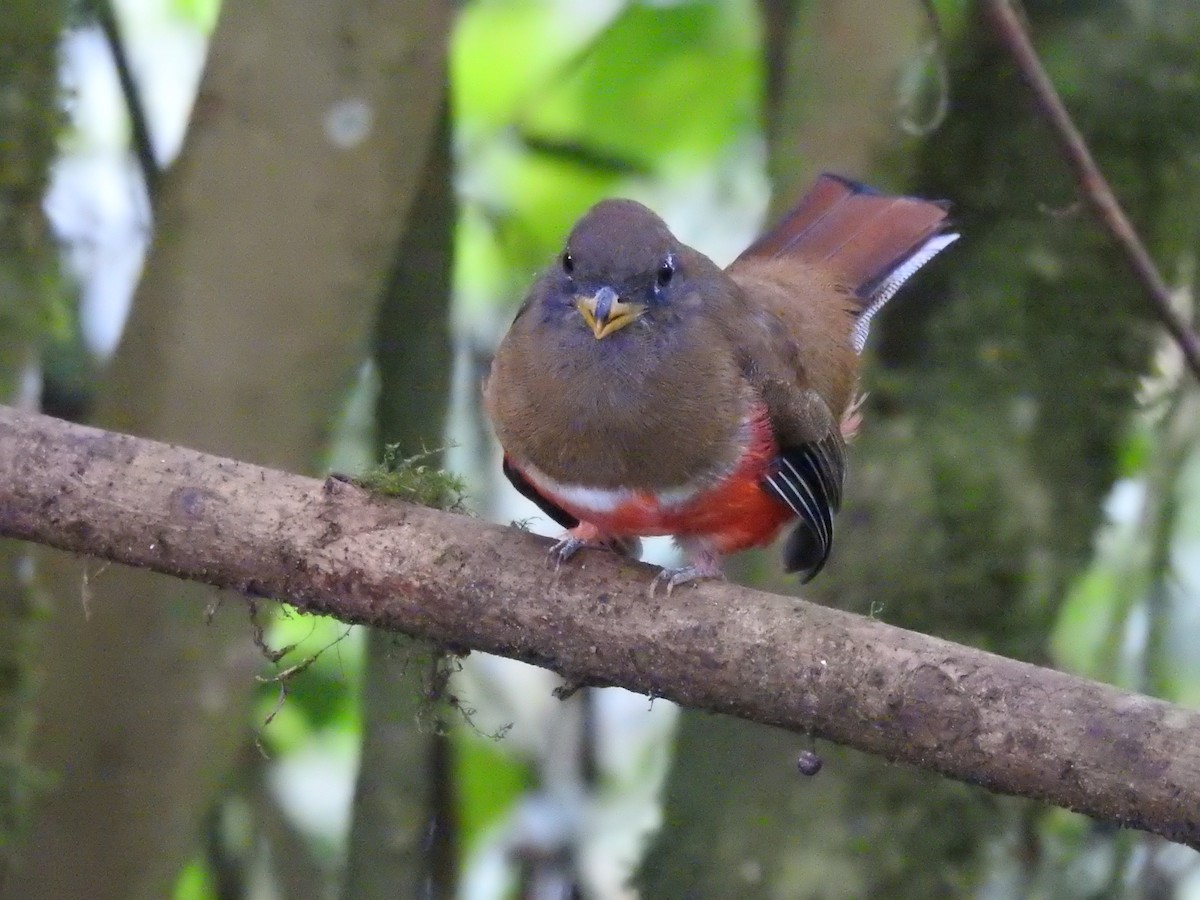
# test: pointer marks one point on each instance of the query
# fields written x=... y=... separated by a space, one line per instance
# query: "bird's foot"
x=587 y=535
x=564 y=548
x=705 y=565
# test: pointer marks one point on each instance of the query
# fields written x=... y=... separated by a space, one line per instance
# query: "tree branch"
x=1010 y=32
x=334 y=549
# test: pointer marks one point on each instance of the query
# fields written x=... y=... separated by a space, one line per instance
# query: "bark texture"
x=331 y=548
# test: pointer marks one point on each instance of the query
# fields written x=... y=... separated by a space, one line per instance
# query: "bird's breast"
x=650 y=408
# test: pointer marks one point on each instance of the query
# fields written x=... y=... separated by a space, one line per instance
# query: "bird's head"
x=620 y=264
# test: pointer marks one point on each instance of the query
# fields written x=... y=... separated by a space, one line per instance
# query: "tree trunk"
x=307 y=144
x=30 y=31
x=402 y=828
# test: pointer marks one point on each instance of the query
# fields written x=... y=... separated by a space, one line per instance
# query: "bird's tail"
x=873 y=241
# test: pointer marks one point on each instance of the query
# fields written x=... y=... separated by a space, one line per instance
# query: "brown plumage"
x=643 y=390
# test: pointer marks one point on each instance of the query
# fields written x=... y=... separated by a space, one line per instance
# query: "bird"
x=643 y=390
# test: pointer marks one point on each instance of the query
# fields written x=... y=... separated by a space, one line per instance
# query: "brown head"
x=614 y=348
x=621 y=265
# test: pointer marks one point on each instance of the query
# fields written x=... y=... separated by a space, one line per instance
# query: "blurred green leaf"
x=663 y=82
x=1091 y=615
x=502 y=53
x=195 y=883
x=323 y=695
x=489 y=782
x=201 y=13
x=559 y=105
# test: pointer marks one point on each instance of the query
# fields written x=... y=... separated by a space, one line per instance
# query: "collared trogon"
x=643 y=390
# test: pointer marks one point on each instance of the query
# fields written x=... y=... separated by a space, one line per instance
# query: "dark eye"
x=568 y=263
x=666 y=272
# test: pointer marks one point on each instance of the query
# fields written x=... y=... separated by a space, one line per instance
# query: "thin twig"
x=139 y=125
x=1011 y=32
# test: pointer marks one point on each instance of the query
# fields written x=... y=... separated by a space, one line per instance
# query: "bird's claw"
x=564 y=549
x=705 y=564
x=589 y=536
x=702 y=570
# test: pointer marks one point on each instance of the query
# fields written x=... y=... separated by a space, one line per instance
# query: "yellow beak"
x=605 y=312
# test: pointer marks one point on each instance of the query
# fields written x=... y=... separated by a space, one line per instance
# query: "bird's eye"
x=666 y=272
x=568 y=263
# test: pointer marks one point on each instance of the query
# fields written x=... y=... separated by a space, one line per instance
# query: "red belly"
x=733 y=514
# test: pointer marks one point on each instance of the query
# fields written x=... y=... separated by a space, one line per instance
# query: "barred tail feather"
x=808 y=480
x=893 y=281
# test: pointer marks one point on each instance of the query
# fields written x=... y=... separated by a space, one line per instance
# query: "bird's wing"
x=816 y=279
x=809 y=467
x=808 y=479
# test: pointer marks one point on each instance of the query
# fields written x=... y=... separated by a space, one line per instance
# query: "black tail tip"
x=856 y=187
x=804 y=553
